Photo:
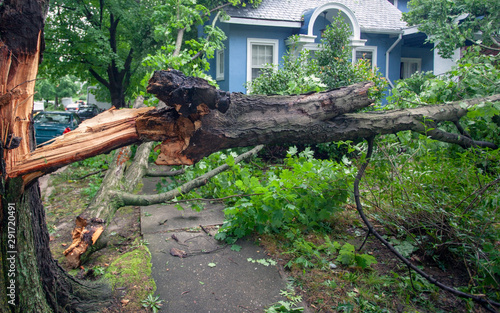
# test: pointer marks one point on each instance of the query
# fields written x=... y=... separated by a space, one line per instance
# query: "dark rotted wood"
x=187 y=93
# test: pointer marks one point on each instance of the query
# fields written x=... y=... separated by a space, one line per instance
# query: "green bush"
x=445 y=203
x=302 y=192
x=297 y=75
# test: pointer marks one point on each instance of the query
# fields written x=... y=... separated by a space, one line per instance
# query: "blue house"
x=258 y=36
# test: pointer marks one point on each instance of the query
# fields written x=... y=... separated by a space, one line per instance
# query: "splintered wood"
x=84 y=234
x=103 y=133
x=17 y=80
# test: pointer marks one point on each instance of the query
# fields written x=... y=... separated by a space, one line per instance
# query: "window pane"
x=261 y=55
x=414 y=68
x=221 y=65
x=255 y=55
x=367 y=55
x=409 y=67
x=256 y=73
x=220 y=59
x=269 y=54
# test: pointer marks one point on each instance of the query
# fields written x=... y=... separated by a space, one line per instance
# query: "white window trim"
x=252 y=41
x=395 y=3
x=413 y=60
x=372 y=49
x=219 y=75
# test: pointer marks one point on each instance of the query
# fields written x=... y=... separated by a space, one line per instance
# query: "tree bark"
x=30 y=280
x=91 y=233
x=201 y=120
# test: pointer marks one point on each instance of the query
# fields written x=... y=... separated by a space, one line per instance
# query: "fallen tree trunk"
x=201 y=120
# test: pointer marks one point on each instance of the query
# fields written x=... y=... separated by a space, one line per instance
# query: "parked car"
x=49 y=125
x=74 y=107
x=87 y=111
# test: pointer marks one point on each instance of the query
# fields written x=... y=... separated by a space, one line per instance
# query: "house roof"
x=372 y=15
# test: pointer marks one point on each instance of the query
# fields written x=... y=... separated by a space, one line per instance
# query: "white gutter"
x=261 y=22
x=387 y=59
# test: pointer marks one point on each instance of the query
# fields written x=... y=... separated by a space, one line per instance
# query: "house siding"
x=426 y=55
x=375 y=21
x=383 y=43
x=235 y=75
x=236 y=52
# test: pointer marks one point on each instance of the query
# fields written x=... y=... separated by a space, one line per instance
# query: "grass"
x=131 y=272
x=382 y=287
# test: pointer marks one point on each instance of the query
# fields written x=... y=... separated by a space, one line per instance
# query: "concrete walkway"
x=194 y=273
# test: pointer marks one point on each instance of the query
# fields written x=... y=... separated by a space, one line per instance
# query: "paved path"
x=210 y=277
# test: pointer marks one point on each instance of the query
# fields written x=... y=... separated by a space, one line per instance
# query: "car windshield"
x=53 y=118
x=88 y=109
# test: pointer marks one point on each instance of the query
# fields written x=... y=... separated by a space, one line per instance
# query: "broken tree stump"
x=85 y=234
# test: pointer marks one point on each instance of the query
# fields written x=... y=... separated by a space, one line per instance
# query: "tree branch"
x=152 y=173
x=200 y=53
x=481 y=300
x=143 y=200
x=178 y=42
x=98 y=77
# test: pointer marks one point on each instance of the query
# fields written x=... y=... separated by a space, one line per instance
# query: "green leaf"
x=365 y=260
x=236 y=247
x=406 y=248
x=230 y=160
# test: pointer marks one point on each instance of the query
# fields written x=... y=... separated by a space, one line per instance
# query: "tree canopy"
x=453 y=24
x=106 y=42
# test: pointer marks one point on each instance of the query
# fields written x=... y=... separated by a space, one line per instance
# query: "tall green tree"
x=47 y=89
x=187 y=31
x=105 y=42
x=100 y=41
x=453 y=24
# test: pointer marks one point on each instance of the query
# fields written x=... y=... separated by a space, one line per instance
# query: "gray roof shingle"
x=372 y=15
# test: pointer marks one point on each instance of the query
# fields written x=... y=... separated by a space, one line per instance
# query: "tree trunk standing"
x=117 y=95
x=30 y=280
x=20 y=46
